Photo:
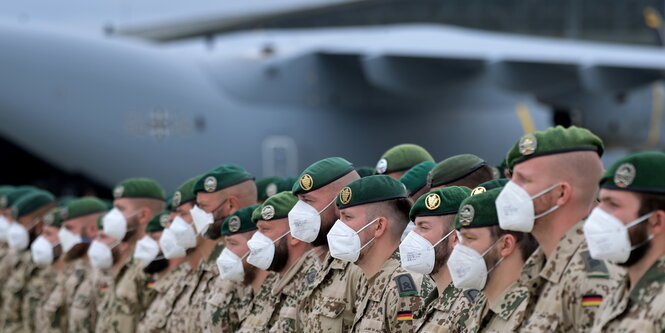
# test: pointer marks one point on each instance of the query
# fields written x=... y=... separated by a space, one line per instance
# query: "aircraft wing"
x=410 y=58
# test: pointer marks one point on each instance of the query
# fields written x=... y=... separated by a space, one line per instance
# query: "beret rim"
x=448 y=181
x=225 y=187
x=559 y=151
x=444 y=213
x=633 y=189
x=494 y=224
x=301 y=190
x=375 y=200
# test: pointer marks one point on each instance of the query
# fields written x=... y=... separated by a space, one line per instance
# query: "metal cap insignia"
x=210 y=184
x=306 y=182
x=625 y=175
x=164 y=220
x=345 y=195
x=118 y=191
x=433 y=201
x=271 y=189
x=3 y=201
x=478 y=190
x=381 y=166
x=64 y=213
x=176 y=199
x=466 y=215
x=528 y=144
x=234 y=224
x=268 y=212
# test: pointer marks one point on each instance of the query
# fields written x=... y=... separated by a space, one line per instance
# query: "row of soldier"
x=548 y=242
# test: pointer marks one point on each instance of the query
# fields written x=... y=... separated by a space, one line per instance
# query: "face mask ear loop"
x=326 y=207
x=639 y=220
x=444 y=238
x=544 y=191
x=244 y=255
x=282 y=236
x=488 y=250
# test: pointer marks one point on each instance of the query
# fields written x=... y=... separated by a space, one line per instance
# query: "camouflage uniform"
x=89 y=299
x=510 y=308
x=446 y=313
x=13 y=292
x=41 y=280
x=167 y=289
x=640 y=309
x=228 y=303
x=130 y=296
x=329 y=304
x=54 y=312
x=387 y=301
x=290 y=289
x=262 y=307
x=187 y=311
x=569 y=278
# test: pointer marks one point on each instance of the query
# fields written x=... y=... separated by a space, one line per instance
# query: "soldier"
x=45 y=252
x=426 y=250
x=460 y=170
x=628 y=227
x=90 y=297
x=272 y=248
x=28 y=212
x=78 y=228
x=219 y=193
x=136 y=202
x=165 y=275
x=489 y=259
x=232 y=294
x=397 y=160
x=373 y=214
x=329 y=303
x=553 y=188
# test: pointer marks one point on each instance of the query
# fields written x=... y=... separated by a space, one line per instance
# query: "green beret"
x=4 y=191
x=169 y=203
x=158 y=222
x=82 y=207
x=31 y=202
x=488 y=185
x=276 y=207
x=478 y=210
x=184 y=193
x=53 y=218
x=365 y=171
x=221 y=177
x=370 y=189
x=139 y=188
x=321 y=174
x=239 y=222
x=639 y=172
x=454 y=168
x=402 y=157
x=270 y=186
x=554 y=140
x=443 y=201
x=416 y=178
x=10 y=198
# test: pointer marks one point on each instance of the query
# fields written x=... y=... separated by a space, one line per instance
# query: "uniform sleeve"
x=401 y=306
x=585 y=291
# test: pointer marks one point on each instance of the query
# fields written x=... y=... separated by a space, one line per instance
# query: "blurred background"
x=94 y=92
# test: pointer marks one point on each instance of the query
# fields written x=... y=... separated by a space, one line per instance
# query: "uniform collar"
x=644 y=291
x=377 y=283
x=509 y=301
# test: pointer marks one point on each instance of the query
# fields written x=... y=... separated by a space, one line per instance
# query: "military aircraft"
x=128 y=104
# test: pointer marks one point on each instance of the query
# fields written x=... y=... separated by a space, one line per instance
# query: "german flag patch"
x=150 y=284
x=405 y=315
x=592 y=300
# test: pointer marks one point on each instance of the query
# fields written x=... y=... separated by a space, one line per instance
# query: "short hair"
x=524 y=240
x=475 y=178
x=397 y=211
x=650 y=202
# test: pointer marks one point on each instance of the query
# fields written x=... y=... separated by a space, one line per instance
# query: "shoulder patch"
x=594 y=268
x=405 y=285
x=471 y=294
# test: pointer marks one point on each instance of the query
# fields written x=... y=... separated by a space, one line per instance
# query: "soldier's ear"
x=507 y=245
x=657 y=222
